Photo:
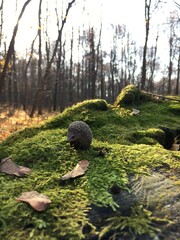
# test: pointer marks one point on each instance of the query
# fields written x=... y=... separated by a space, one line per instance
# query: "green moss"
x=131 y=146
x=150 y=136
x=76 y=112
x=131 y=95
x=175 y=108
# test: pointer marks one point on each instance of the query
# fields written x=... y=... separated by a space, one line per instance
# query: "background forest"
x=69 y=59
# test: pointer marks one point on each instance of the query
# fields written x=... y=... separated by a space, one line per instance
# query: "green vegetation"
x=132 y=145
x=131 y=95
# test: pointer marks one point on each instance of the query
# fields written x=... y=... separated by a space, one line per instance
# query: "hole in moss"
x=170 y=136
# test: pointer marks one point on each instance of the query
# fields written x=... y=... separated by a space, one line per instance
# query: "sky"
x=86 y=12
x=129 y=12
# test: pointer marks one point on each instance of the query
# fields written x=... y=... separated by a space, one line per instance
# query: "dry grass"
x=11 y=122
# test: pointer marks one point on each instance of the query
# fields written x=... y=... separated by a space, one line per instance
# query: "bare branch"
x=177 y=4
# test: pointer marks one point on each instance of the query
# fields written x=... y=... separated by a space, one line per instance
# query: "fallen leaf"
x=9 y=167
x=79 y=170
x=175 y=147
x=135 y=111
x=37 y=200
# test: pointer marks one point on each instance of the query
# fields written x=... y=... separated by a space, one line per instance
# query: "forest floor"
x=130 y=190
x=12 y=121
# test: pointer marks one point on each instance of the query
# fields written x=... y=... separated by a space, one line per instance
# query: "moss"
x=175 y=108
x=130 y=148
x=70 y=114
x=131 y=95
x=150 y=136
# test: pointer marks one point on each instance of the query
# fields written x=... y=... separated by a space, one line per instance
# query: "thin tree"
x=40 y=80
x=153 y=66
x=147 y=25
x=172 y=49
x=1 y=19
x=11 y=47
x=25 y=83
x=92 y=64
x=178 y=75
x=49 y=64
x=71 y=97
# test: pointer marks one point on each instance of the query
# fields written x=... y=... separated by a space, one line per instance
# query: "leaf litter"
x=79 y=170
x=35 y=199
x=9 y=167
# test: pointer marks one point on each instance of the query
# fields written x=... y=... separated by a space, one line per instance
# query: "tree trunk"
x=92 y=65
x=178 y=75
x=11 y=48
x=39 y=91
x=1 y=24
x=26 y=92
x=71 y=92
x=144 y=63
x=151 y=78
x=40 y=80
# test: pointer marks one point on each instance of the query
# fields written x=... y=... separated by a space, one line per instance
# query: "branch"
x=59 y=37
x=160 y=96
x=177 y=4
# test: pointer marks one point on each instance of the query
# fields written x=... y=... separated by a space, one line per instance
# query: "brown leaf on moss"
x=79 y=170
x=175 y=147
x=37 y=200
x=9 y=167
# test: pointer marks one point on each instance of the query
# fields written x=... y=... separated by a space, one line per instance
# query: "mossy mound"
x=124 y=147
x=131 y=95
x=150 y=136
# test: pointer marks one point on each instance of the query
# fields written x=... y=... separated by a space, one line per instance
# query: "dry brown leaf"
x=135 y=111
x=9 y=167
x=37 y=200
x=79 y=170
x=175 y=147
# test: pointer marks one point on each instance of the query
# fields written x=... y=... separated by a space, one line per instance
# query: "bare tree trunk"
x=151 y=78
x=25 y=98
x=98 y=60
x=178 y=75
x=78 y=68
x=78 y=80
x=112 y=72
x=62 y=76
x=49 y=64
x=170 y=69
x=144 y=63
x=1 y=24
x=71 y=97
x=15 y=83
x=40 y=80
x=11 y=48
x=92 y=68
x=57 y=84
x=103 y=90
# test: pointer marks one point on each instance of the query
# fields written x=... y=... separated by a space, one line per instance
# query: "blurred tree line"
x=68 y=70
